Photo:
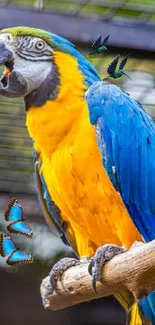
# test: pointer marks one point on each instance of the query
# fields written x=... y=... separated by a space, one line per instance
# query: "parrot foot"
x=55 y=274
x=59 y=268
x=96 y=263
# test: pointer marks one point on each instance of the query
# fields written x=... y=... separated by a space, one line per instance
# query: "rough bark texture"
x=133 y=270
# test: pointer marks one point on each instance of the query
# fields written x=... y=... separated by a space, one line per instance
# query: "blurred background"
x=131 y=25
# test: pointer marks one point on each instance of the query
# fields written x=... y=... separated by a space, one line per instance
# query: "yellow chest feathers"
x=73 y=171
x=79 y=185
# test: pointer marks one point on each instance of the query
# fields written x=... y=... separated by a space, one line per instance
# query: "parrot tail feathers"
x=147 y=305
x=134 y=314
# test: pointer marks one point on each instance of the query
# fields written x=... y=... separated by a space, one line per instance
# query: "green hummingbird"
x=120 y=72
x=99 y=45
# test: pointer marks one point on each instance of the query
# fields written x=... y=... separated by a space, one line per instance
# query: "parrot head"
x=31 y=69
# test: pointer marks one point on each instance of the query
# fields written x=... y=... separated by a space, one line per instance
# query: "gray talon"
x=47 y=292
x=58 y=269
x=96 y=263
x=90 y=266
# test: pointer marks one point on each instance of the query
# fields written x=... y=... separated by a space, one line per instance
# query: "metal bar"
x=83 y=29
x=95 y=3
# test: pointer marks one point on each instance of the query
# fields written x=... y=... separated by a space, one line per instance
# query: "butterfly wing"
x=7 y=246
x=20 y=227
x=14 y=211
x=19 y=257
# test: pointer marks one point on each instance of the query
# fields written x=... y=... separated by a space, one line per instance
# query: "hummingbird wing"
x=123 y=62
x=105 y=40
x=97 y=43
x=112 y=66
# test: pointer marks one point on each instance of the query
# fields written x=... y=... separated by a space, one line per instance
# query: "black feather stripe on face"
x=33 y=48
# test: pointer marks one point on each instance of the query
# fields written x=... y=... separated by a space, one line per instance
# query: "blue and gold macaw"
x=91 y=141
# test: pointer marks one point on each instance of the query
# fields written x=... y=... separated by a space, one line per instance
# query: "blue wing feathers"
x=148 y=306
x=127 y=145
x=127 y=134
x=151 y=299
x=124 y=178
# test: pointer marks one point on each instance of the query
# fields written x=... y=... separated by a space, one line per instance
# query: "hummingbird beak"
x=127 y=75
x=106 y=49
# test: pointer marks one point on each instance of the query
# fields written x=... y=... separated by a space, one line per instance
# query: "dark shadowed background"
x=131 y=25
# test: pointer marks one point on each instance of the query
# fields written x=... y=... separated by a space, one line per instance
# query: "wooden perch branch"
x=133 y=270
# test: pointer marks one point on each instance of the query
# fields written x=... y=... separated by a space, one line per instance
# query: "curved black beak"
x=13 y=85
x=16 y=86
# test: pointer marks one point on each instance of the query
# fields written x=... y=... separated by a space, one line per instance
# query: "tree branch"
x=133 y=270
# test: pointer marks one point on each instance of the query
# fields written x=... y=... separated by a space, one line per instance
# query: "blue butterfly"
x=14 y=213
x=7 y=247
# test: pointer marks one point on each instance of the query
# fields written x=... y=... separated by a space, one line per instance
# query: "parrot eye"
x=40 y=45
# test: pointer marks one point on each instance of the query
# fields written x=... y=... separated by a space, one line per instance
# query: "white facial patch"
x=32 y=58
x=33 y=72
